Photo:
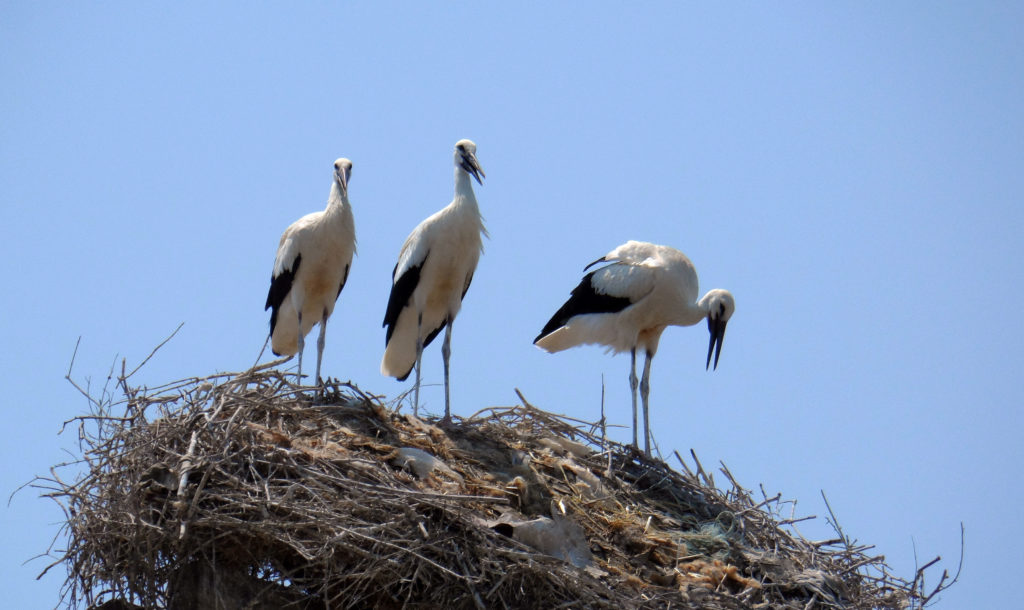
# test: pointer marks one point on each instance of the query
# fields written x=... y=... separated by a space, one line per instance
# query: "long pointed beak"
x=716 y=326
x=343 y=182
x=600 y=260
x=472 y=167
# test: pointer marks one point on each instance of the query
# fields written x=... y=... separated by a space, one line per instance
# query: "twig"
x=186 y=468
x=604 y=433
x=95 y=403
x=700 y=470
x=522 y=399
x=155 y=350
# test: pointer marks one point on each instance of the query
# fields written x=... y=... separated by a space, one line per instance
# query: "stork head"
x=342 y=174
x=465 y=158
x=720 y=306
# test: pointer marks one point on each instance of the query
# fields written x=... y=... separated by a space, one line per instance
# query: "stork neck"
x=336 y=201
x=463 y=184
x=694 y=312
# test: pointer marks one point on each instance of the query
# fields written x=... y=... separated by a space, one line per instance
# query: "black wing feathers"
x=344 y=279
x=280 y=286
x=433 y=334
x=401 y=292
x=583 y=300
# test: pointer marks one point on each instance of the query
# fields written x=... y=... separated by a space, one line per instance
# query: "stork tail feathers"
x=400 y=352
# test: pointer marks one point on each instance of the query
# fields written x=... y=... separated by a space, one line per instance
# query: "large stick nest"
x=241 y=490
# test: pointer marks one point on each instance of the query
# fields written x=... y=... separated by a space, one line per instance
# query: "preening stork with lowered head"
x=627 y=304
x=435 y=267
x=311 y=267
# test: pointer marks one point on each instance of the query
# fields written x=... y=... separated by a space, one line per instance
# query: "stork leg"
x=632 y=387
x=645 y=392
x=446 y=353
x=302 y=346
x=419 y=358
x=320 y=342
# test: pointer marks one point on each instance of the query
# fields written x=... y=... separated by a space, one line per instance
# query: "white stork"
x=627 y=304
x=310 y=270
x=433 y=273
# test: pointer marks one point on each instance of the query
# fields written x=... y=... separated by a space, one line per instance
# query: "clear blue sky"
x=852 y=172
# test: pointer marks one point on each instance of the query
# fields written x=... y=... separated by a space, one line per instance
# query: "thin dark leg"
x=302 y=346
x=645 y=392
x=632 y=387
x=419 y=358
x=446 y=354
x=320 y=342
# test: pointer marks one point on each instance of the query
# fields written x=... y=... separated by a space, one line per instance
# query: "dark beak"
x=716 y=326
x=600 y=260
x=343 y=182
x=472 y=167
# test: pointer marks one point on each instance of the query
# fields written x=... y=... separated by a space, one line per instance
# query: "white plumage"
x=311 y=267
x=627 y=304
x=435 y=267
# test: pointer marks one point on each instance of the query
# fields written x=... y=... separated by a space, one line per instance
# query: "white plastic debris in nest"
x=563 y=446
x=557 y=536
x=587 y=483
x=421 y=463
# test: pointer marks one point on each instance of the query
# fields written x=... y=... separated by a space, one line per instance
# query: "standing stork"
x=310 y=270
x=435 y=267
x=627 y=304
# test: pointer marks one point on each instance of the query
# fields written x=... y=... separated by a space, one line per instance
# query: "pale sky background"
x=852 y=172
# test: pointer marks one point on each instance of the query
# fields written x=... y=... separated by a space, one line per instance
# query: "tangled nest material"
x=242 y=491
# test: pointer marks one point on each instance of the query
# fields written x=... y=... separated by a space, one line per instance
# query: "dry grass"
x=238 y=490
